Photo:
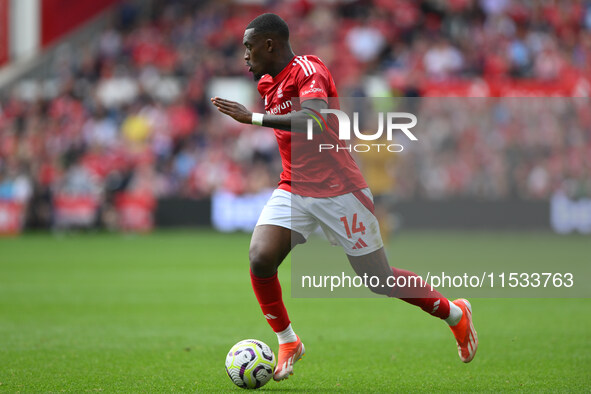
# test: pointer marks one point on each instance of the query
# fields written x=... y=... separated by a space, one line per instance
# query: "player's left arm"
x=296 y=121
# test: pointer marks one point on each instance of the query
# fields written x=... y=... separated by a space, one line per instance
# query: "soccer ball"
x=250 y=364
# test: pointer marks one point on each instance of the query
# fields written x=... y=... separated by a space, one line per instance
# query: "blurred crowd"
x=130 y=111
x=494 y=148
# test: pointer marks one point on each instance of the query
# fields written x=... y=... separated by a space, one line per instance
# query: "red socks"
x=421 y=295
x=268 y=293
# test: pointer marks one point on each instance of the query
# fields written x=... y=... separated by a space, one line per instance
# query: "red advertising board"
x=11 y=217
x=4 y=29
x=59 y=17
x=136 y=211
x=74 y=210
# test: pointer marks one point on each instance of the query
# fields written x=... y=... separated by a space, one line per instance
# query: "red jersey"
x=306 y=171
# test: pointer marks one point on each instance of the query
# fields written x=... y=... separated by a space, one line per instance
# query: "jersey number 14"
x=356 y=228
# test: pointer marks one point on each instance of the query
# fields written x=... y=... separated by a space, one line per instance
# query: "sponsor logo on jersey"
x=279 y=107
x=312 y=90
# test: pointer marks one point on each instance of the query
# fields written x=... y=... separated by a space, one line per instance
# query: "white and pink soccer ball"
x=250 y=364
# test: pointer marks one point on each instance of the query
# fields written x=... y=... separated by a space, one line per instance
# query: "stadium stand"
x=129 y=111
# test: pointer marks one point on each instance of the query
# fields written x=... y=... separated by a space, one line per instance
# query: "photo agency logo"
x=394 y=121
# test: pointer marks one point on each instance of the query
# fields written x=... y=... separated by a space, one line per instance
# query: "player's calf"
x=381 y=288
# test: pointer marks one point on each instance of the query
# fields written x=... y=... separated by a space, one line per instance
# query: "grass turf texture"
x=159 y=312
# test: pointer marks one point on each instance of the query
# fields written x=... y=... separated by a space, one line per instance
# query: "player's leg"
x=282 y=225
x=269 y=246
x=410 y=287
x=402 y=284
x=350 y=220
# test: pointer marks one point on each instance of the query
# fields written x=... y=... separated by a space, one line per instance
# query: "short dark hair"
x=270 y=23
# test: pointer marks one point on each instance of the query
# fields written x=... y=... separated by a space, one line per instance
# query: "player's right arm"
x=296 y=121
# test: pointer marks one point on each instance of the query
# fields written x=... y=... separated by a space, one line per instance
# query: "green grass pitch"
x=157 y=313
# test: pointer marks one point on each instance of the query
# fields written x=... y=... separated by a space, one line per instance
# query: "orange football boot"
x=464 y=331
x=289 y=353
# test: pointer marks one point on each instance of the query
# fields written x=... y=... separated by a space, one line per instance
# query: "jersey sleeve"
x=313 y=80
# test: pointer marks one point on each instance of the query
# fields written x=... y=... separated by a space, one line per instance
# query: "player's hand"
x=233 y=109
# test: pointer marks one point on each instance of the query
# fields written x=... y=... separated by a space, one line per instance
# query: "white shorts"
x=346 y=220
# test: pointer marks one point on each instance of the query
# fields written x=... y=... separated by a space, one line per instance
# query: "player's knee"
x=262 y=263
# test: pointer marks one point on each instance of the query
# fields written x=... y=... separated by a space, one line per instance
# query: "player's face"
x=255 y=54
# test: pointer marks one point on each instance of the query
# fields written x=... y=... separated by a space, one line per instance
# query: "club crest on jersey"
x=280 y=90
